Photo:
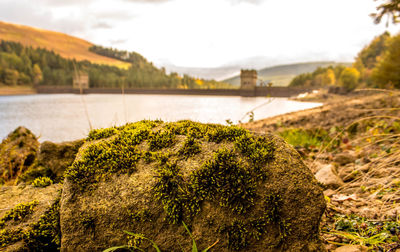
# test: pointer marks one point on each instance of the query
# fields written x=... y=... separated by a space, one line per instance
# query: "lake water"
x=64 y=117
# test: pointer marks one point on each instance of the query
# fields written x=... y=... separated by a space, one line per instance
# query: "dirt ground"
x=357 y=161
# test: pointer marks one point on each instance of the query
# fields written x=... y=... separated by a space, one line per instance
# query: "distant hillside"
x=283 y=74
x=65 y=45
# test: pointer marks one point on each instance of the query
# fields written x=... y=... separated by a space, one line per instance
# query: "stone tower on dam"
x=248 y=79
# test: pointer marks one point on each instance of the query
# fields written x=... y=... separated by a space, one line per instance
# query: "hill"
x=65 y=45
x=282 y=75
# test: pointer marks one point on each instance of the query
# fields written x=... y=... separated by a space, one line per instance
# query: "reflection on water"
x=62 y=117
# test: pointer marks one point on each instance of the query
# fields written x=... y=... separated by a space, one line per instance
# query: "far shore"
x=16 y=90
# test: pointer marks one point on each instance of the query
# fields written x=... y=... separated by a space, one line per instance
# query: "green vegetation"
x=42 y=182
x=190 y=147
x=369 y=56
x=223 y=179
x=161 y=139
x=282 y=75
x=19 y=212
x=174 y=194
x=21 y=65
x=328 y=76
x=141 y=216
x=376 y=65
x=135 y=240
x=96 y=134
x=43 y=235
x=353 y=229
x=308 y=138
x=386 y=74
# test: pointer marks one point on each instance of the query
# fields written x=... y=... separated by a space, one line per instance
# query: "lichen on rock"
x=250 y=192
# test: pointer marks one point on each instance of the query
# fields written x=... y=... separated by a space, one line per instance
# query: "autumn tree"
x=370 y=55
x=349 y=78
x=387 y=71
x=37 y=74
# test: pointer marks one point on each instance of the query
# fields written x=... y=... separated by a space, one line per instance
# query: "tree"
x=11 y=77
x=387 y=72
x=349 y=78
x=390 y=8
x=329 y=78
x=37 y=74
x=370 y=55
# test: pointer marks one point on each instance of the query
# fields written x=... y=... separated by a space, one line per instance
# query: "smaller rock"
x=58 y=156
x=351 y=248
x=344 y=158
x=17 y=153
x=327 y=177
x=348 y=173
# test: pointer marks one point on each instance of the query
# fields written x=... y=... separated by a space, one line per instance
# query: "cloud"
x=255 y=2
x=56 y=3
x=118 y=41
x=101 y=25
x=118 y=15
x=24 y=13
x=148 y=1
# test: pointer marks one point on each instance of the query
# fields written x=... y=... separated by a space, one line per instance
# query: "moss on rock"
x=33 y=225
x=251 y=192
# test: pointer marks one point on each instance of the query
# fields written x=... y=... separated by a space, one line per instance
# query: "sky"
x=211 y=33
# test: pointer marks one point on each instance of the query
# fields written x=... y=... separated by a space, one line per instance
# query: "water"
x=65 y=117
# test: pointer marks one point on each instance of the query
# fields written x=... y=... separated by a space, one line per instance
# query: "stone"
x=232 y=188
x=351 y=248
x=57 y=157
x=344 y=158
x=17 y=153
x=31 y=231
x=326 y=176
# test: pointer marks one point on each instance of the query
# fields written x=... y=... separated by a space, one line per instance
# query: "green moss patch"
x=42 y=182
x=43 y=235
x=19 y=212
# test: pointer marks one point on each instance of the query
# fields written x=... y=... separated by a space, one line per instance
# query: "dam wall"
x=254 y=92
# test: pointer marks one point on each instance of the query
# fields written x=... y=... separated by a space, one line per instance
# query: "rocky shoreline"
x=351 y=144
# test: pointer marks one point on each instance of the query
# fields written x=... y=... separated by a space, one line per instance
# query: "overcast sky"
x=210 y=33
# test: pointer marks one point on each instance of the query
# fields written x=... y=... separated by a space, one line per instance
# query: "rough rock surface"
x=27 y=230
x=344 y=158
x=327 y=176
x=58 y=156
x=351 y=248
x=17 y=153
x=234 y=189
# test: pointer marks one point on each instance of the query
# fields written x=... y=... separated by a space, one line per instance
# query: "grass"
x=135 y=239
x=355 y=230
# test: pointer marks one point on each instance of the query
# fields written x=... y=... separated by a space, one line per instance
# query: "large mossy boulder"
x=18 y=151
x=233 y=189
